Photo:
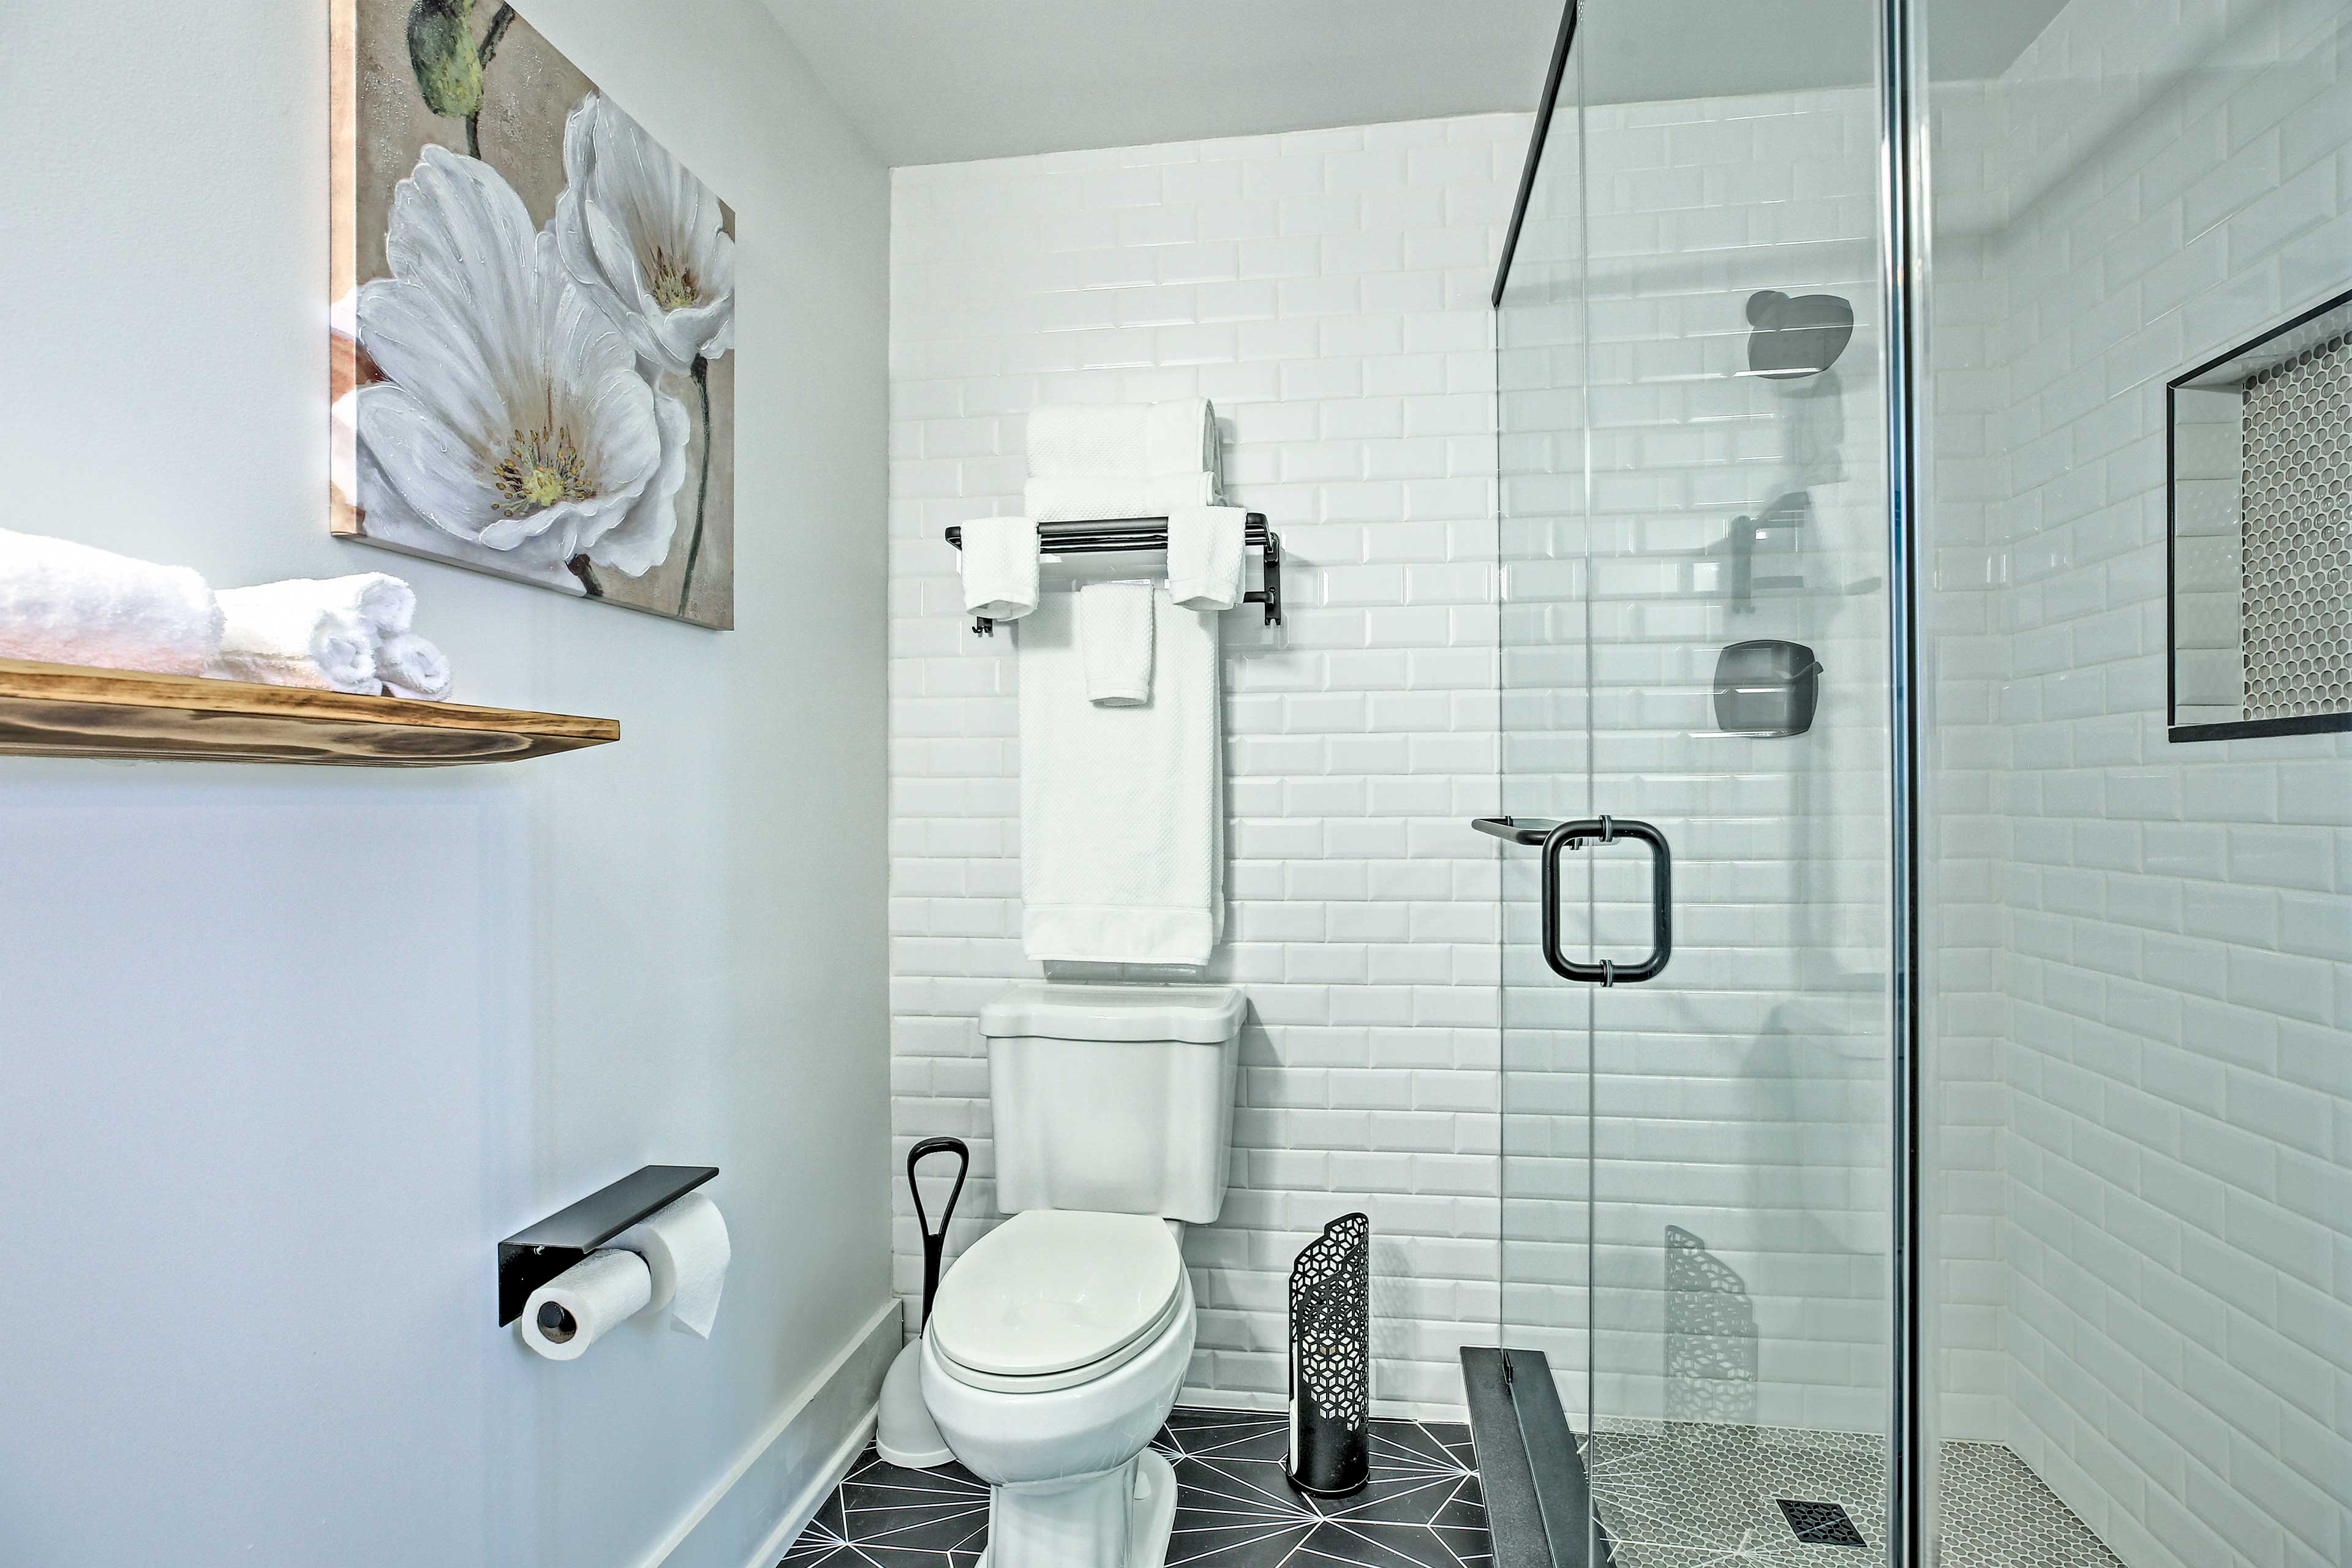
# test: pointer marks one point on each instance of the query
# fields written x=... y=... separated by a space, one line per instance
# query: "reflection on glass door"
x=1695 y=641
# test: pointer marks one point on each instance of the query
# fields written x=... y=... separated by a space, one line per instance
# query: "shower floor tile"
x=1694 y=1494
x=1233 y=1509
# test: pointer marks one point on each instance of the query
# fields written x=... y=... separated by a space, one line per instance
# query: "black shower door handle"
x=1573 y=835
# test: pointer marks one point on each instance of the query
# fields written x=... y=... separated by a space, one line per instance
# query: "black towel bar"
x=1103 y=536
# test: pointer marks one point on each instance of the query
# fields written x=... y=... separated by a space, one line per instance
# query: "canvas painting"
x=533 y=318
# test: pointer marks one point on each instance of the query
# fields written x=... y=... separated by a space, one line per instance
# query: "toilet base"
x=1150 y=1518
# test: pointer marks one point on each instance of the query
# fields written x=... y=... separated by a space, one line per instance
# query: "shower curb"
x=1538 y=1502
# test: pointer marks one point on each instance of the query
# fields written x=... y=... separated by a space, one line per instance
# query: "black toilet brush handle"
x=935 y=1241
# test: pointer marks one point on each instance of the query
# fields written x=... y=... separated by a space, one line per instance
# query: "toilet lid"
x=1049 y=1291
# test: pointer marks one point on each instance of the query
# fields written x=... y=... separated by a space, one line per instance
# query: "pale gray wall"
x=284 y=1052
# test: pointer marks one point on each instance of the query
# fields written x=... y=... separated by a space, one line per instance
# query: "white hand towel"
x=1066 y=500
x=1122 y=809
x=1115 y=642
x=411 y=667
x=289 y=633
x=62 y=603
x=999 y=567
x=1123 y=440
x=1205 y=556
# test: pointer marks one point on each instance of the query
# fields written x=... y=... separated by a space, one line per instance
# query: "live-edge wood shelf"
x=67 y=710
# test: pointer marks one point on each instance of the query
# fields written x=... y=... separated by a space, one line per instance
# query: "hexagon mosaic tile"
x=1704 y=1495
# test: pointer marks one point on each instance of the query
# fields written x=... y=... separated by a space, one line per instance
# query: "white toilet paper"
x=604 y=1288
x=685 y=1248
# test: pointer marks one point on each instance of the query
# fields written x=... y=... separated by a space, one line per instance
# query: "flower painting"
x=533 y=320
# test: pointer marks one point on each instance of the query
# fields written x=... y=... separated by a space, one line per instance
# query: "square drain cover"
x=1822 y=1523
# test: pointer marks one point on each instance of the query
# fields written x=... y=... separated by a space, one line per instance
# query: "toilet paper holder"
x=530 y=1259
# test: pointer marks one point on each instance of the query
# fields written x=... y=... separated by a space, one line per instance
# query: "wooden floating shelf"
x=67 y=710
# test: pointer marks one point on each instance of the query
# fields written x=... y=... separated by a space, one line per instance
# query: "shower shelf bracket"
x=1110 y=535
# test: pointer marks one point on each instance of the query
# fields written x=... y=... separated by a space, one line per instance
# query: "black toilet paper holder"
x=530 y=1259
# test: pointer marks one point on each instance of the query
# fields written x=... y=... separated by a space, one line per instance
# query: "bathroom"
x=1758 y=425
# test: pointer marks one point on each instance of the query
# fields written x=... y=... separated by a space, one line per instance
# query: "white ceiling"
x=929 y=82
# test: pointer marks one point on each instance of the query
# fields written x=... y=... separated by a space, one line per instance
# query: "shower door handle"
x=1574 y=835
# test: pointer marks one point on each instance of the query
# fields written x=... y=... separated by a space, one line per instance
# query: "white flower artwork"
x=533 y=368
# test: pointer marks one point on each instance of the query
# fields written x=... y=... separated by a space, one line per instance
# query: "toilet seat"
x=1052 y=1299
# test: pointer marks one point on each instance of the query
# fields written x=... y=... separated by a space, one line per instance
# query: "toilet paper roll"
x=685 y=1248
x=579 y=1306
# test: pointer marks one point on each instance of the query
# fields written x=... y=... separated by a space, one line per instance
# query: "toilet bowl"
x=1058 y=1340
x=1053 y=1356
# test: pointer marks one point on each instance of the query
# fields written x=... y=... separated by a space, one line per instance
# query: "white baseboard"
x=830 y=1416
x=788 y=1528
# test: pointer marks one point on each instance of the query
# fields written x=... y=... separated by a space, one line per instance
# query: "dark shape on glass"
x=1767 y=688
x=1710 y=1337
x=1796 y=336
x=1331 y=1360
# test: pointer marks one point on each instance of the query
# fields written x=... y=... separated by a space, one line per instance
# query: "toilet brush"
x=905 y=1434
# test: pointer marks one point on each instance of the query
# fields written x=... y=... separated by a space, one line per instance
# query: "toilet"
x=1058 y=1340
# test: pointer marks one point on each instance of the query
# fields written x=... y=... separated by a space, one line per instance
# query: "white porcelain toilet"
x=1059 y=1340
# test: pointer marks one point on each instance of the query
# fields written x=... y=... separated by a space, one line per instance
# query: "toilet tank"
x=1115 y=1099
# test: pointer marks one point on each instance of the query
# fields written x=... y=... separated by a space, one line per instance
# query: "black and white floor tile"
x=1233 y=1510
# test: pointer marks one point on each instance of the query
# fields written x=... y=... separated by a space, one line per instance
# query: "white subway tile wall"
x=2170 y=925
x=1327 y=289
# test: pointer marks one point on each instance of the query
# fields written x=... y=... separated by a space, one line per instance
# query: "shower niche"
x=2259 y=513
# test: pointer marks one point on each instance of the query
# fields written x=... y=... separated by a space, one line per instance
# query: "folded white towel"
x=62 y=603
x=999 y=567
x=1069 y=499
x=289 y=633
x=1122 y=809
x=1205 y=555
x=411 y=667
x=1115 y=641
x=1123 y=440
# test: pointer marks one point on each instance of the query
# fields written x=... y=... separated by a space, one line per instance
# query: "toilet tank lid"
x=1205 y=1015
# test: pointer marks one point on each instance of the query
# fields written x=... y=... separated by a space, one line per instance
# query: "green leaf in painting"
x=442 y=52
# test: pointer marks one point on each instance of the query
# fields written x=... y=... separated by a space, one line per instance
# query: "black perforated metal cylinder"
x=1331 y=1360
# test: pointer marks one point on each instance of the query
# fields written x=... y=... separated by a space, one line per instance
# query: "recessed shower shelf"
x=68 y=710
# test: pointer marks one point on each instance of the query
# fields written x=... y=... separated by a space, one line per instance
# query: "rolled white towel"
x=1075 y=498
x=999 y=567
x=1123 y=440
x=1115 y=632
x=289 y=633
x=1205 y=552
x=411 y=667
x=62 y=603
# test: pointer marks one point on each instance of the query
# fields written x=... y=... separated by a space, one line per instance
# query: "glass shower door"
x=1693 y=646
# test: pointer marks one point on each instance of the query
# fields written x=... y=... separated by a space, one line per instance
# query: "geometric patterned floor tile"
x=1421 y=1509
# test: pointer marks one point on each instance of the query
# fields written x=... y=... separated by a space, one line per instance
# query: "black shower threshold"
x=1538 y=1502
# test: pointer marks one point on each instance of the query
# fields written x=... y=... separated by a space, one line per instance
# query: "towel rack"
x=1103 y=536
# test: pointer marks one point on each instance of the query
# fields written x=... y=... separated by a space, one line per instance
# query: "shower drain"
x=1820 y=1523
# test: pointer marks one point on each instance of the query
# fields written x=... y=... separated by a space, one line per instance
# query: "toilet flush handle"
x=935 y=1241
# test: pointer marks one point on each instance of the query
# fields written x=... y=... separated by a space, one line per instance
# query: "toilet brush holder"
x=1330 y=1360
x=904 y=1433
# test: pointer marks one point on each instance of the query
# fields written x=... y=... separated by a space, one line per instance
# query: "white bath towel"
x=411 y=667
x=1205 y=555
x=1123 y=440
x=1122 y=809
x=289 y=633
x=999 y=567
x=62 y=603
x=1115 y=641
x=1072 y=499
